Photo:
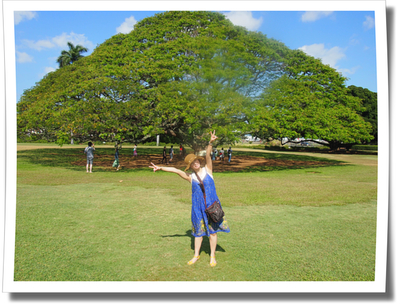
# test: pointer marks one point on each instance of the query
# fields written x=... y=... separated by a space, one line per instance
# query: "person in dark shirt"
x=164 y=155
x=229 y=154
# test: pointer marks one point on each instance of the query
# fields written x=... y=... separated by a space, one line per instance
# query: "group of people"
x=89 y=151
x=116 y=156
x=170 y=152
x=182 y=154
x=215 y=155
x=220 y=154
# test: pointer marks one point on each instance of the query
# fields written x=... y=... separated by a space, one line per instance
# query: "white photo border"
x=377 y=286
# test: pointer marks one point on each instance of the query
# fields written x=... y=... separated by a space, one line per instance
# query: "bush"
x=32 y=139
x=274 y=143
x=282 y=148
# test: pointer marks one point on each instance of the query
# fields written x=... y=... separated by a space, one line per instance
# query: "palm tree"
x=72 y=55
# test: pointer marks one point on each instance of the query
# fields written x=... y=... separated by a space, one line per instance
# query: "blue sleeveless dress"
x=201 y=226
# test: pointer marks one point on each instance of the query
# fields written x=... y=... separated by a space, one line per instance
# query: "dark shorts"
x=89 y=161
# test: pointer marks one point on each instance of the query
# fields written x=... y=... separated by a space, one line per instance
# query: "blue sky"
x=345 y=40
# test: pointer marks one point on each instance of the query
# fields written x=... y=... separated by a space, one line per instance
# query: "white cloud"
x=346 y=72
x=369 y=23
x=244 y=19
x=76 y=39
x=127 y=25
x=38 y=45
x=46 y=71
x=59 y=41
x=354 y=41
x=313 y=16
x=328 y=56
x=21 y=15
x=49 y=69
x=23 y=57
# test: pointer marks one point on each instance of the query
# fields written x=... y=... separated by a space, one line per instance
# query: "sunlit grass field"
x=307 y=224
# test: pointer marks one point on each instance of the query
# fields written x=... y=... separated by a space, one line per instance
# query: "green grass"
x=365 y=147
x=314 y=224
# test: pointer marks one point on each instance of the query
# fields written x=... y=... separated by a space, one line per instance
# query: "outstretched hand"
x=213 y=136
x=154 y=167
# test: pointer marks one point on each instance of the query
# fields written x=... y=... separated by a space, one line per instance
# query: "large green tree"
x=310 y=101
x=178 y=74
x=182 y=74
x=71 y=55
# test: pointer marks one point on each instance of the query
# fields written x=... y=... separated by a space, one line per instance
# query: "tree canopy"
x=370 y=104
x=183 y=74
x=177 y=73
x=310 y=101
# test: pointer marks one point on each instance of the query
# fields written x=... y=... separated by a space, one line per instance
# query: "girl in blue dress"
x=201 y=225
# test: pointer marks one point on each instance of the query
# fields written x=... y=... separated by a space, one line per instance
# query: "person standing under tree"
x=164 y=155
x=134 y=151
x=229 y=154
x=212 y=155
x=180 y=152
x=222 y=154
x=201 y=224
x=216 y=153
x=116 y=156
x=89 y=157
x=171 y=153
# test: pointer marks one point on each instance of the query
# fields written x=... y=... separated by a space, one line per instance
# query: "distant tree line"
x=370 y=112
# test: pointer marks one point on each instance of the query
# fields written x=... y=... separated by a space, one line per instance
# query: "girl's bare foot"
x=212 y=261
x=194 y=259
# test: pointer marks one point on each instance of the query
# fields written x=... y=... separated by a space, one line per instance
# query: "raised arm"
x=182 y=174
x=208 y=152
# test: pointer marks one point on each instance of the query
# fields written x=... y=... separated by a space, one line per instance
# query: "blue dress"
x=201 y=226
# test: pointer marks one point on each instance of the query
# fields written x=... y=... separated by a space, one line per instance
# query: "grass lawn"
x=306 y=224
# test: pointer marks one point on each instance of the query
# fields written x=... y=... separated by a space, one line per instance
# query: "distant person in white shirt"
x=222 y=154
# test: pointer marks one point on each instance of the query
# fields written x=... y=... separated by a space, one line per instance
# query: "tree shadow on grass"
x=75 y=159
x=205 y=246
